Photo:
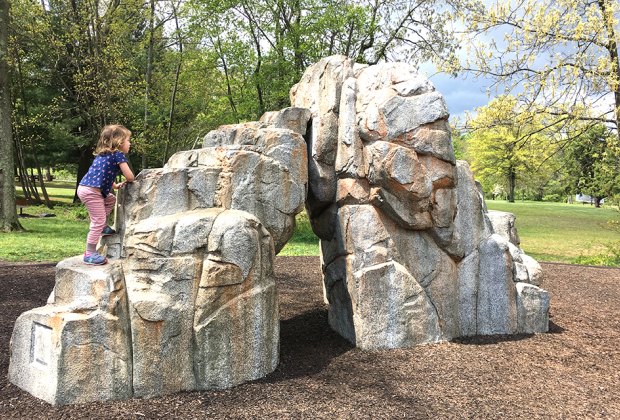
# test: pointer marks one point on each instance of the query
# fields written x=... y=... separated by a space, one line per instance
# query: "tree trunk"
x=229 y=93
x=512 y=181
x=8 y=211
x=30 y=193
x=83 y=165
x=612 y=48
x=174 y=88
x=597 y=201
x=297 y=51
x=148 y=77
x=48 y=203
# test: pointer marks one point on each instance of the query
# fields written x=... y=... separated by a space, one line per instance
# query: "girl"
x=94 y=188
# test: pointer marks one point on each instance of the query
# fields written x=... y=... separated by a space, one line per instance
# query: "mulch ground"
x=571 y=372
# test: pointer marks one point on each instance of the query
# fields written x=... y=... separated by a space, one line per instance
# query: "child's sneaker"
x=108 y=231
x=95 y=259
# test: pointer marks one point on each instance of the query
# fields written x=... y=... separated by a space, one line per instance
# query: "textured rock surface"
x=408 y=250
x=193 y=305
x=504 y=224
x=252 y=167
x=203 y=303
x=76 y=348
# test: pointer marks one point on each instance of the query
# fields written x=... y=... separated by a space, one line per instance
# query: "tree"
x=8 y=213
x=592 y=165
x=76 y=68
x=506 y=145
x=264 y=46
x=560 y=57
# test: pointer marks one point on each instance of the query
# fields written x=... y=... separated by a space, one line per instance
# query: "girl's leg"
x=109 y=202
x=95 y=205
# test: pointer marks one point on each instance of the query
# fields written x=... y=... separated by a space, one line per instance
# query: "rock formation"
x=188 y=301
x=408 y=251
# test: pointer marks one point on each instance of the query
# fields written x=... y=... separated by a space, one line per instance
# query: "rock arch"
x=409 y=254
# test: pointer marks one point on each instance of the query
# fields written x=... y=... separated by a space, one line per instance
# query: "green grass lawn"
x=304 y=241
x=47 y=238
x=570 y=233
x=60 y=192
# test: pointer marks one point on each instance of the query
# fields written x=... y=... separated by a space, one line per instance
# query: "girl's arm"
x=129 y=177
x=126 y=171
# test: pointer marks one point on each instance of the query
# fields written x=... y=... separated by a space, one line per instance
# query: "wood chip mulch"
x=571 y=372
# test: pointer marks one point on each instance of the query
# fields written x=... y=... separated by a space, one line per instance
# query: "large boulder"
x=192 y=306
x=77 y=348
x=202 y=301
x=409 y=253
x=254 y=167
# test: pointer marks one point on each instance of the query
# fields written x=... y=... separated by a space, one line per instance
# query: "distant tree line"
x=516 y=154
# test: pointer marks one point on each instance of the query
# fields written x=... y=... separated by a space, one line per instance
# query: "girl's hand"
x=118 y=186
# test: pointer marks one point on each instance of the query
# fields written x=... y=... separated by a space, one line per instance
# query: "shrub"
x=76 y=211
x=610 y=258
x=554 y=198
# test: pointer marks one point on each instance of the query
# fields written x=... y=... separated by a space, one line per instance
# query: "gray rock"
x=534 y=271
x=350 y=155
x=468 y=270
x=496 y=304
x=390 y=309
x=504 y=225
x=76 y=349
x=192 y=305
x=395 y=194
x=470 y=224
x=202 y=301
x=320 y=91
x=261 y=170
x=532 y=308
x=294 y=119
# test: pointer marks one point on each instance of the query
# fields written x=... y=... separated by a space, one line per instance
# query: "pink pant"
x=98 y=209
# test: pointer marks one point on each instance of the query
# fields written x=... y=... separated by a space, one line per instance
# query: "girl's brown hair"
x=111 y=138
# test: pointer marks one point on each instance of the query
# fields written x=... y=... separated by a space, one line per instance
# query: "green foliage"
x=554 y=198
x=592 y=163
x=272 y=43
x=560 y=57
x=67 y=172
x=610 y=257
x=304 y=241
x=74 y=69
x=459 y=143
x=509 y=148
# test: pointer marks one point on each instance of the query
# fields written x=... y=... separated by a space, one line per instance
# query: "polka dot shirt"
x=103 y=171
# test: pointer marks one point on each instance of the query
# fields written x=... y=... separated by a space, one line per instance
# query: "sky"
x=461 y=93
